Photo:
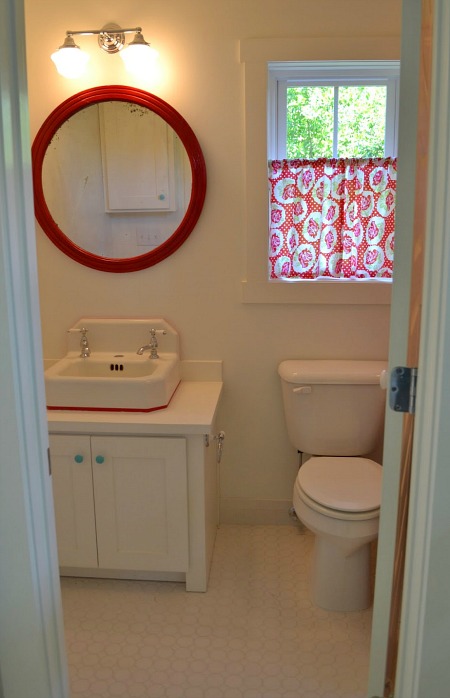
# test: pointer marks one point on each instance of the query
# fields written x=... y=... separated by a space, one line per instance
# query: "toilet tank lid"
x=330 y=371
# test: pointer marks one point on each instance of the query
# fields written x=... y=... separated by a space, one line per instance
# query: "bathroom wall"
x=198 y=289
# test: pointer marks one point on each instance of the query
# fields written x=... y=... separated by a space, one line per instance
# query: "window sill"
x=318 y=292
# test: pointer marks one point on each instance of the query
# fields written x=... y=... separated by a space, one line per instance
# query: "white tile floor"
x=254 y=634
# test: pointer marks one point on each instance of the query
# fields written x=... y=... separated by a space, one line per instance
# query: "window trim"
x=255 y=55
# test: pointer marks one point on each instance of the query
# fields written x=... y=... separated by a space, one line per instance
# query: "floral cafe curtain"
x=332 y=218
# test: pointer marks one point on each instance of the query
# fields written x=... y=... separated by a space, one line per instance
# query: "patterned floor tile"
x=253 y=634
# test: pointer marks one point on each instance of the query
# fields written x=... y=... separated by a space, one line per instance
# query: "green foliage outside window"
x=361 y=121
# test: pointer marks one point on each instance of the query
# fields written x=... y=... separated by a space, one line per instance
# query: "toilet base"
x=340 y=582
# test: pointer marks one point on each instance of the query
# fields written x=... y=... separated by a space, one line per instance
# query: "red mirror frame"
x=125 y=94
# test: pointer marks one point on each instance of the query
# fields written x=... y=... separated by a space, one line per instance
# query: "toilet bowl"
x=338 y=499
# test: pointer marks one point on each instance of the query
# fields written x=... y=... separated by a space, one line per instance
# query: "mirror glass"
x=119 y=178
x=128 y=191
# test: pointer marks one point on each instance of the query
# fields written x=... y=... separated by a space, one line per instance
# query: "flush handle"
x=304 y=389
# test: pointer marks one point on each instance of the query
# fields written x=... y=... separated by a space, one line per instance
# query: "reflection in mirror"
x=119 y=178
x=116 y=179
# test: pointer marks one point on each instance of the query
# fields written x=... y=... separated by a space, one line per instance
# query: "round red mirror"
x=119 y=178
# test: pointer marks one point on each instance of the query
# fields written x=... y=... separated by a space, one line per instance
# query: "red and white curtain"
x=332 y=218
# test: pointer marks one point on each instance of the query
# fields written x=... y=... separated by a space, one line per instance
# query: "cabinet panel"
x=73 y=500
x=140 y=490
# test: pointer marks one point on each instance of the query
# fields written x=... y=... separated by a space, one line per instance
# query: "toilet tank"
x=333 y=408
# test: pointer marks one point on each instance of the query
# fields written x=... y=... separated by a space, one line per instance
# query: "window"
x=333 y=109
x=332 y=141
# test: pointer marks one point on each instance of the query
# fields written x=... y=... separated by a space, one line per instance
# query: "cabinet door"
x=140 y=486
x=144 y=141
x=73 y=500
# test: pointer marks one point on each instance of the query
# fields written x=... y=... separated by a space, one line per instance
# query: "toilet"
x=334 y=413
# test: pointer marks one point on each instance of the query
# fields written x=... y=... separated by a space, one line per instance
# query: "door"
x=32 y=655
x=404 y=339
x=140 y=489
x=73 y=500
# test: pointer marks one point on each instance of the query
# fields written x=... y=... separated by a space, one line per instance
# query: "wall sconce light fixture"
x=138 y=55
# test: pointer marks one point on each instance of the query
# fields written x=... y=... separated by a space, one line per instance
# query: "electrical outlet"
x=148 y=238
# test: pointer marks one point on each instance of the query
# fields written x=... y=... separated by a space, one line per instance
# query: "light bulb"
x=69 y=59
x=139 y=57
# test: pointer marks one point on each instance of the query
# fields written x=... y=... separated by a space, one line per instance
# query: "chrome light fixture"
x=138 y=56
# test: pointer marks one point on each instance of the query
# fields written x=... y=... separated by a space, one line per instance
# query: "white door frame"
x=32 y=655
x=30 y=614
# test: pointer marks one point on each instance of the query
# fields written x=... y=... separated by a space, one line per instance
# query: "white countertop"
x=192 y=410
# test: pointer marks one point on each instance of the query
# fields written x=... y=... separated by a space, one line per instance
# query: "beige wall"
x=198 y=288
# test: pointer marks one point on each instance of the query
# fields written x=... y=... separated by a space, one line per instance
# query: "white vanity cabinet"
x=120 y=502
x=135 y=495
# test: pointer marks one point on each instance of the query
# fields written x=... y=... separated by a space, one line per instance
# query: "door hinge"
x=402 y=389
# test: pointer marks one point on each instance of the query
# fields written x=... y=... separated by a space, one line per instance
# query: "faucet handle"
x=154 y=342
x=83 y=330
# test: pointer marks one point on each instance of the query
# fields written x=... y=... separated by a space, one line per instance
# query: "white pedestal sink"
x=114 y=377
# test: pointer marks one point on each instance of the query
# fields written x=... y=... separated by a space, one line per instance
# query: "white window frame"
x=255 y=56
x=329 y=73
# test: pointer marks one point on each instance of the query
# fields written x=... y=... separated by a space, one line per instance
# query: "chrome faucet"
x=84 y=345
x=153 y=345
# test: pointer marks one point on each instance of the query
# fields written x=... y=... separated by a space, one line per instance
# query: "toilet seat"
x=343 y=516
x=346 y=485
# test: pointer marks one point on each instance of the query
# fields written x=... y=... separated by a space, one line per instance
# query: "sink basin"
x=118 y=380
x=115 y=367
x=110 y=382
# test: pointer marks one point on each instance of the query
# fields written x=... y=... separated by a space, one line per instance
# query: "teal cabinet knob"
x=100 y=459
x=78 y=458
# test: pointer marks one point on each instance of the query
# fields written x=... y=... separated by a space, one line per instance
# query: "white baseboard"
x=238 y=510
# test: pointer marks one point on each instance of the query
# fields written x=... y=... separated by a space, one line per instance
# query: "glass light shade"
x=139 y=58
x=70 y=61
